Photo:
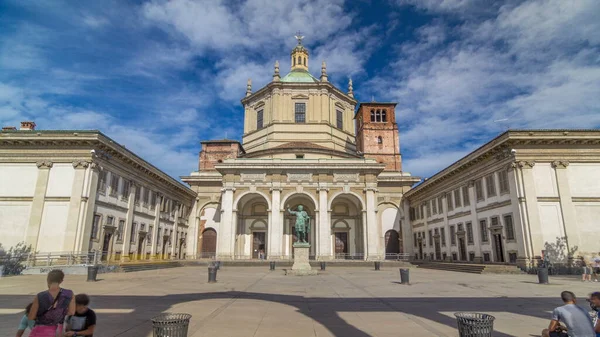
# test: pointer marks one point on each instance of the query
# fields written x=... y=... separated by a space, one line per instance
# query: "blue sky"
x=160 y=76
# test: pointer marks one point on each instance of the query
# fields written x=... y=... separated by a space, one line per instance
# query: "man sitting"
x=577 y=320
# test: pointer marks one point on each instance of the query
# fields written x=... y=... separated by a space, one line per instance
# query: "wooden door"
x=258 y=244
x=438 y=249
x=341 y=244
x=209 y=243
x=106 y=245
x=462 y=249
x=498 y=248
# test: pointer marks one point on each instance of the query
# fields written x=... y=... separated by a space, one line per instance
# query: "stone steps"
x=470 y=268
x=133 y=267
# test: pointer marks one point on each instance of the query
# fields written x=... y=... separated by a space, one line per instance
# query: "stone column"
x=75 y=205
x=37 y=205
x=324 y=230
x=275 y=230
x=85 y=226
x=518 y=211
x=566 y=203
x=365 y=244
x=128 y=222
x=407 y=232
x=534 y=225
x=373 y=240
x=155 y=228
x=175 y=238
x=474 y=222
x=192 y=235
x=225 y=236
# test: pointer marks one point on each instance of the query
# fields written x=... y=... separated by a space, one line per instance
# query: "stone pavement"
x=342 y=301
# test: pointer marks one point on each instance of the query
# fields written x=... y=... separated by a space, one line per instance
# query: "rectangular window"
x=510 y=229
x=96 y=226
x=490 y=185
x=259 y=119
x=457 y=198
x=339 y=120
x=149 y=236
x=126 y=190
x=486 y=257
x=142 y=227
x=114 y=184
x=471 y=256
x=430 y=238
x=440 y=205
x=465 y=193
x=449 y=201
x=460 y=227
x=443 y=236
x=484 y=230
x=300 y=112
x=512 y=257
x=102 y=182
x=503 y=177
x=434 y=206
x=146 y=196
x=411 y=213
x=152 y=199
x=452 y=236
x=158 y=236
x=120 y=230
x=133 y=227
x=469 y=233
x=479 y=189
x=428 y=209
x=138 y=193
x=384 y=116
x=454 y=257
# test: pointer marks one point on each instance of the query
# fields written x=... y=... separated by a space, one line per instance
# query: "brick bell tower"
x=377 y=134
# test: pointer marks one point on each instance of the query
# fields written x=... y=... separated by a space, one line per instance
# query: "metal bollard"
x=212 y=274
x=92 y=272
x=272 y=265
x=543 y=275
x=323 y=265
x=404 y=276
x=377 y=265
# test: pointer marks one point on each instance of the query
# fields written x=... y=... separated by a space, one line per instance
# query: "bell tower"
x=377 y=134
x=299 y=55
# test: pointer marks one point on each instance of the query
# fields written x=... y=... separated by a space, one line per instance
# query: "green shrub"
x=13 y=260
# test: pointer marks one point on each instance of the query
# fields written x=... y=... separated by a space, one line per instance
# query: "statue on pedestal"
x=302 y=224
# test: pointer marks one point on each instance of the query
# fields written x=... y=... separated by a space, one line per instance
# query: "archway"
x=392 y=245
x=347 y=229
x=209 y=243
x=252 y=227
x=289 y=237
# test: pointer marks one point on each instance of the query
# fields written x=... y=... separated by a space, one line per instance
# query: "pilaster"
x=566 y=203
x=373 y=238
x=84 y=229
x=531 y=206
x=37 y=205
x=519 y=214
x=275 y=229
x=75 y=211
x=128 y=223
x=175 y=239
x=324 y=249
x=155 y=228
x=225 y=236
x=474 y=222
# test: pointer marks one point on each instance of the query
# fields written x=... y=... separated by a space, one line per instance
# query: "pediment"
x=300 y=96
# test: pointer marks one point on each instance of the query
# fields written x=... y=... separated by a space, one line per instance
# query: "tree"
x=557 y=251
x=12 y=261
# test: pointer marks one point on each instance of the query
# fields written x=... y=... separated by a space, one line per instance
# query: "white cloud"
x=95 y=21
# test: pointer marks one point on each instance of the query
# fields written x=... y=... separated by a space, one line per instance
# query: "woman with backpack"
x=50 y=307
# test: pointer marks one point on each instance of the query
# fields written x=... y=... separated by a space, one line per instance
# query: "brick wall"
x=379 y=140
x=214 y=152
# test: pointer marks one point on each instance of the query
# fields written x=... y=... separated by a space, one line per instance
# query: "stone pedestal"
x=301 y=265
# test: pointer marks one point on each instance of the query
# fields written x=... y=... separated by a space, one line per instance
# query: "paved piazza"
x=251 y=301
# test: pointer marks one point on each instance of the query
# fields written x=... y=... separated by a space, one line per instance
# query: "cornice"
x=257 y=95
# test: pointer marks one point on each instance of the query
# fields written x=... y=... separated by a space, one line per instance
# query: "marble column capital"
x=560 y=164
x=523 y=164
x=44 y=164
x=82 y=164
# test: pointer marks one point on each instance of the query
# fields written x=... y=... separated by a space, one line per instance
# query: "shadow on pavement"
x=323 y=310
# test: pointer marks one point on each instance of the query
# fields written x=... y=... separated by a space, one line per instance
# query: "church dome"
x=299 y=76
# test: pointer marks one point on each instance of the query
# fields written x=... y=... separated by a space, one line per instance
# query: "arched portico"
x=347 y=227
x=293 y=201
x=253 y=220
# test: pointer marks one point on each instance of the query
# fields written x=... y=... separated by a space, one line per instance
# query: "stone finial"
x=323 y=72
x=27 y=125
x=350 y=88
x=276 y=73
x=249 y=87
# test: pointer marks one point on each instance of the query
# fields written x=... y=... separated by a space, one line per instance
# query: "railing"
x=397 y=256
x=62 y=259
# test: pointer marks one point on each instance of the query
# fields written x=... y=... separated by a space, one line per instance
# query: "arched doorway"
x=209 y=243
x=289 y=230
x=252 y=227
x=347 y=230
x=392 y=246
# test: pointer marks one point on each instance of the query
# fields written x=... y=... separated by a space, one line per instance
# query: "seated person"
x=578 y=322
x=595 y=304
x=83 y=322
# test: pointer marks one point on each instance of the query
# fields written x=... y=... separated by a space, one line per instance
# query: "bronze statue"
x=302 y=224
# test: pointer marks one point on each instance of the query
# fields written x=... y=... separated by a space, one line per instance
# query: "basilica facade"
x=309 y=143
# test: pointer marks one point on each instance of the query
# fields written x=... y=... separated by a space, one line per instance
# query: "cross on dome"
x=299 y=37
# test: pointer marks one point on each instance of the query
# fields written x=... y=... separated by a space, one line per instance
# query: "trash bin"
x=377 y=265
x=92 y=272
x=404 y=276
x=212 y=274
x=323 y=265
x=171 y=325
x=272 y=265
x=543 y=275
x=473 y=324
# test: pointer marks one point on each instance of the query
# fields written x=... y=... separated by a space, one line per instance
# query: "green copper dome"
x=299 y=76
